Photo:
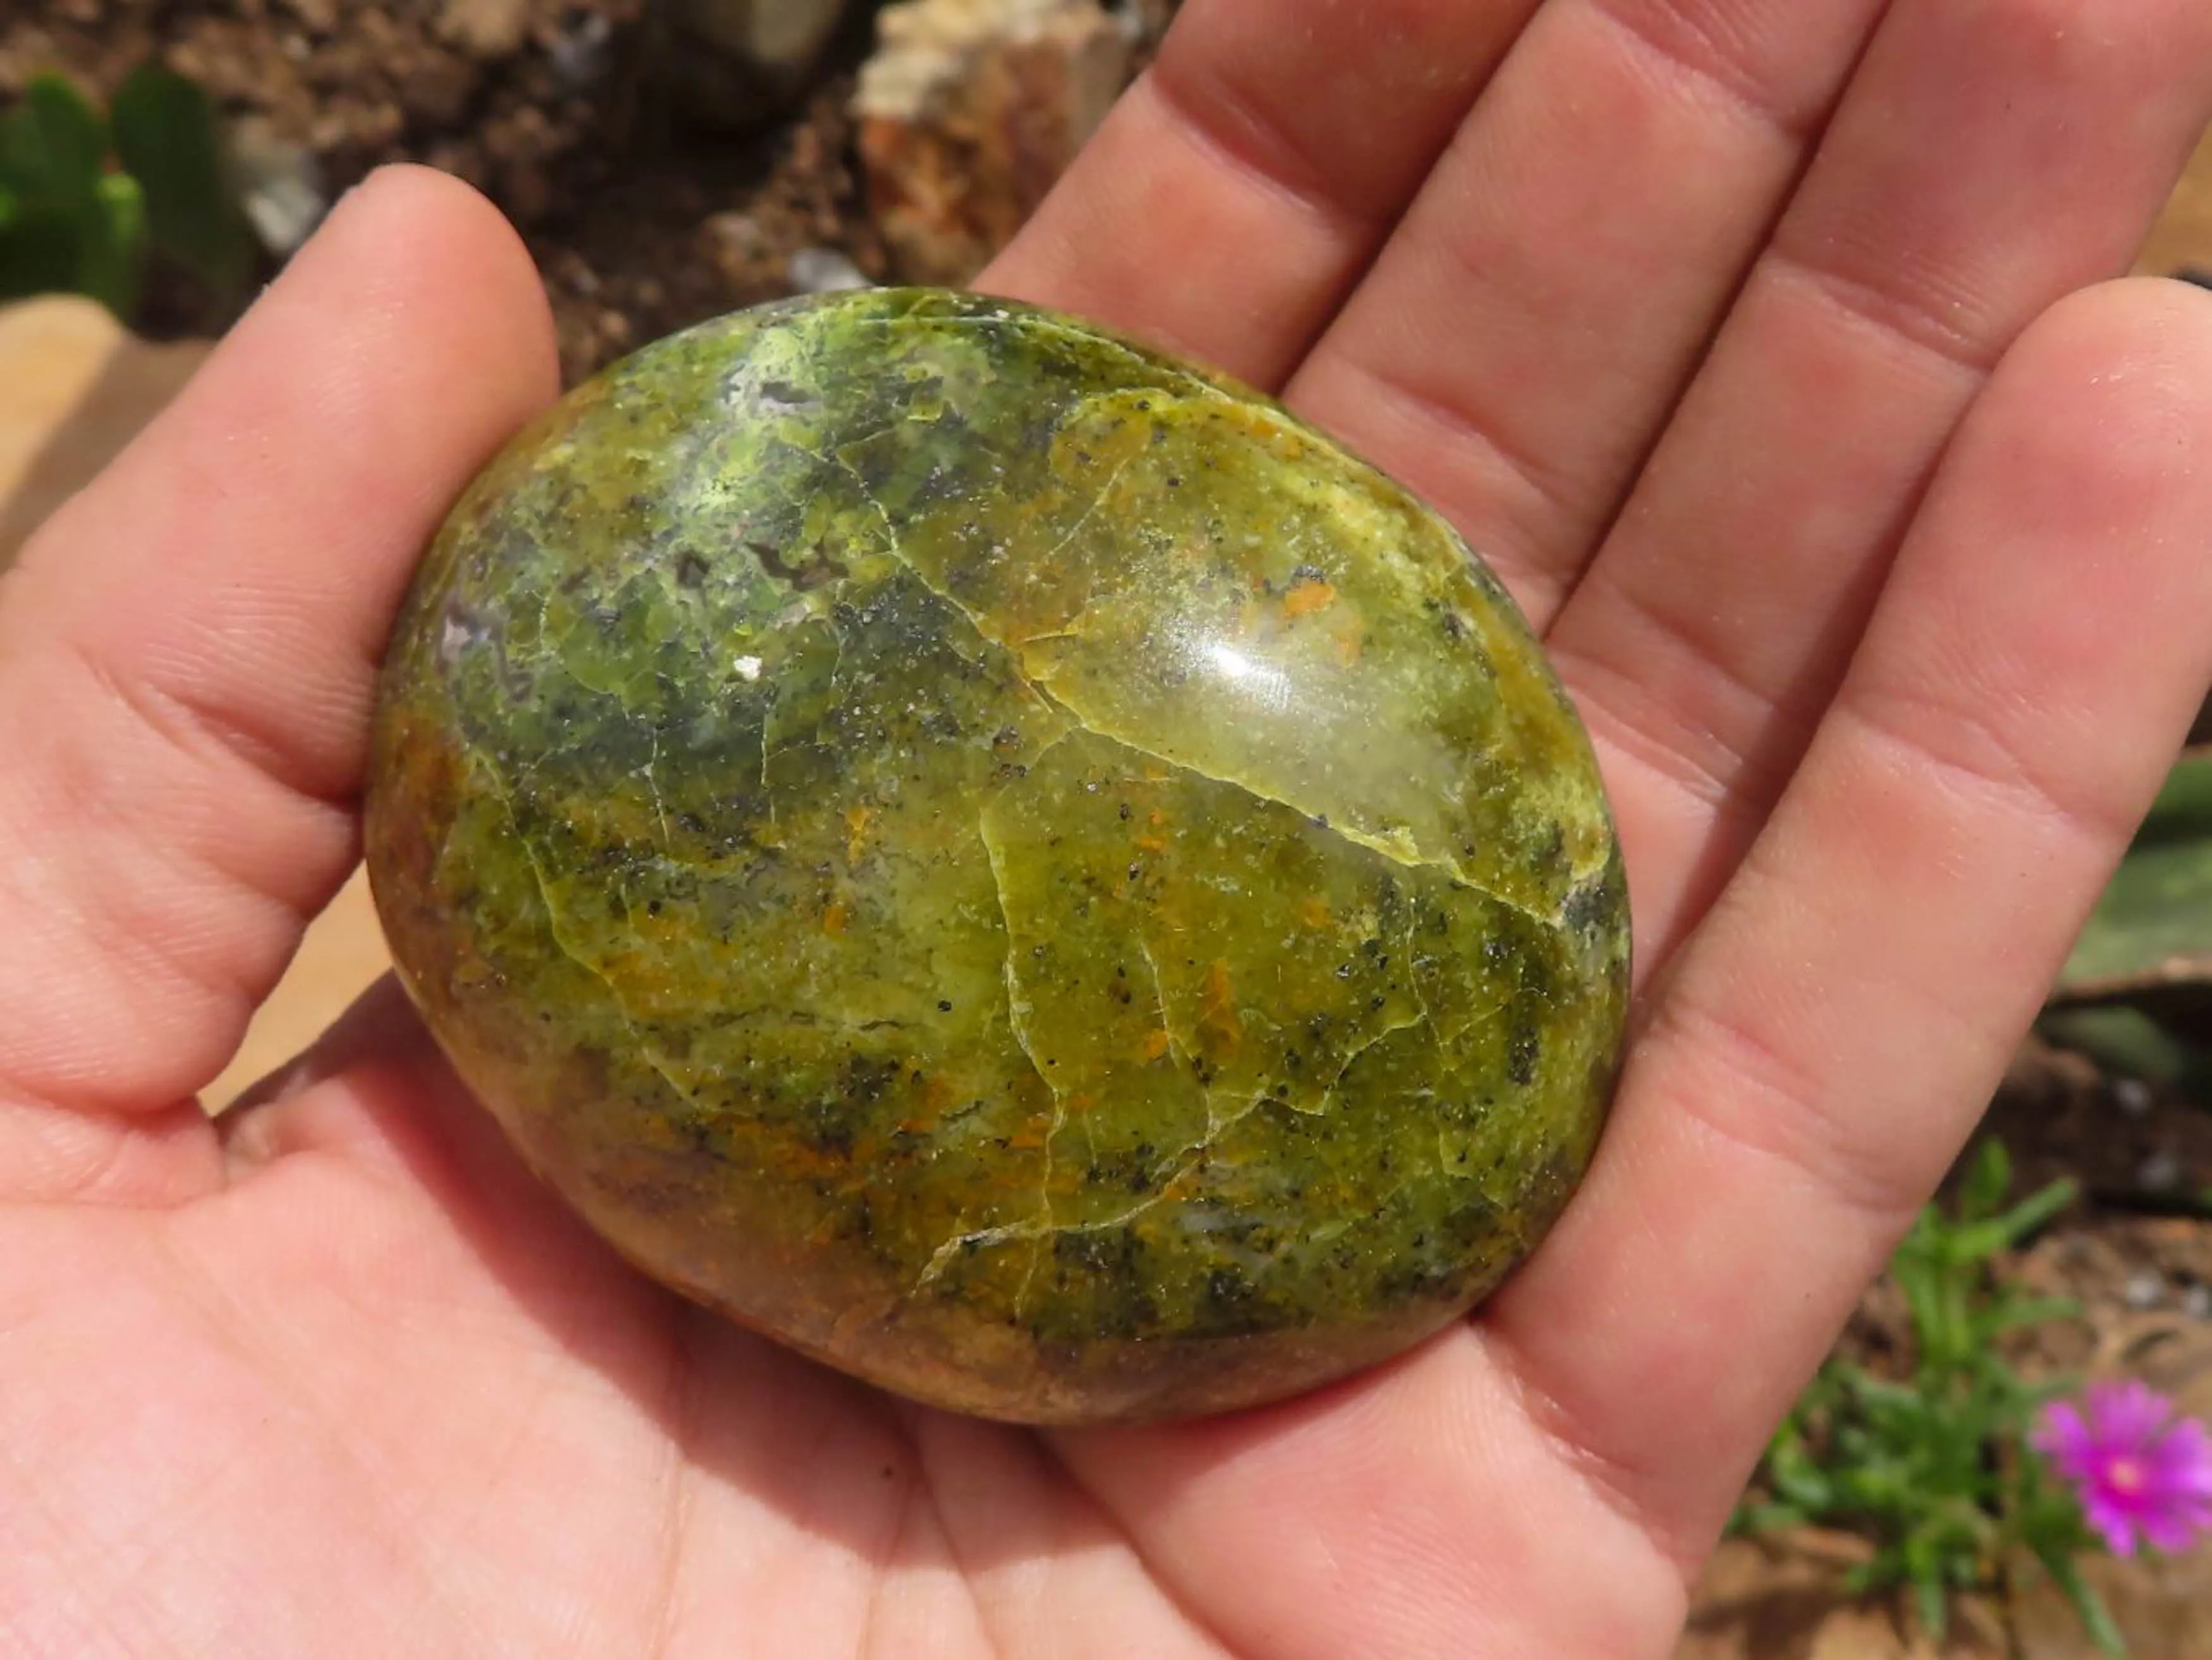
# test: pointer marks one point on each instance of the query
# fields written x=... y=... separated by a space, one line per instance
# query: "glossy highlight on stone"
x=1000 y=860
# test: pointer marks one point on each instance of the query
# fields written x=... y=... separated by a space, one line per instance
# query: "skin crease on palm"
x=1764 y=346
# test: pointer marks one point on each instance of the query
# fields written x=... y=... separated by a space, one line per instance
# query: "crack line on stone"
x=653 y=788
x=1040 y=685
x=934 y=1269
x=1181 y=1054
x=1035 y=761
x=1328 y=1090
x=1090 y=511
x=897 y=550
x=554 y=927
x=1332 y=826
x=1176 y=1052
x=994 y=856
x=1216 y=1127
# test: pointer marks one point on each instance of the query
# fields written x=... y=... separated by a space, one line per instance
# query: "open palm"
x=1737 y=332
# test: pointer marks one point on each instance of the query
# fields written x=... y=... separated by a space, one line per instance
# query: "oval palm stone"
x=1000 y=860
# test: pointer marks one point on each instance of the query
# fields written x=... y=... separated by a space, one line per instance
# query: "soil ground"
x=643 y=221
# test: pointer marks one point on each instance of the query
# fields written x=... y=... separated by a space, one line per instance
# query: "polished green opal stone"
x=1000 y=860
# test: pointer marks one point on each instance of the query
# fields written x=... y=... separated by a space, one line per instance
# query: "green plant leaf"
x=71 y=225
x=110 y=267
x=170 y=140
x=1980 y=1241
x=41 y=252
x=1766 y=1518
x=2129 y=1043
x=2151 y=932
x=1804 y=1484
x=2096 y=1619
x=1931 y=1601
x=53 y=145
x=1934 y=1470
x=2183 y=809
x=2015 y=1313
x=2038 y=1209
x=1988 y=1178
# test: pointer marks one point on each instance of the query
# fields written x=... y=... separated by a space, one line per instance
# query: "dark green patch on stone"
x=1000 y=860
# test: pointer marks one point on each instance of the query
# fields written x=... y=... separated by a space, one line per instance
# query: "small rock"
x=320 y=16
x=435 y=88
x=969 y=111
x=2131 y=1096
x=2196 y=1301
x=1146 y=20
x=737 y=63
x=824 y=270
x=581 y=55
x=735 y=237
x=2160 y=1172
x=2143 y=1290
x=484 y=29
x=279 y=185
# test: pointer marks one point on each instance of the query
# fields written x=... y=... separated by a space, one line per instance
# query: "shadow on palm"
x=903 y=1488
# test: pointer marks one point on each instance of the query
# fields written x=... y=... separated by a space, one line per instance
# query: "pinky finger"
x=1824 y=1044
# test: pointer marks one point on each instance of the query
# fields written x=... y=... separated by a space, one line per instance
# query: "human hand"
x=1842 y=597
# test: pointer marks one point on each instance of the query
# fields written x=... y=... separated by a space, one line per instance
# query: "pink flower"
x=2138 y=1467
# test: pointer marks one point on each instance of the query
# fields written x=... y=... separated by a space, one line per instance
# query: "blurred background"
x=671 y=159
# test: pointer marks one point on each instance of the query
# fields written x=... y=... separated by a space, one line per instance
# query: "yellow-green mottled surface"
x=1000 y=860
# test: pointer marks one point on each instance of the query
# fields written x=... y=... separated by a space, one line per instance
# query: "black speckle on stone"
x=1230 y=1306
x=1592 y=903
x=1520 y=1057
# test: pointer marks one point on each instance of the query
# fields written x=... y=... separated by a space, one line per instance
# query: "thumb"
x=188 y=651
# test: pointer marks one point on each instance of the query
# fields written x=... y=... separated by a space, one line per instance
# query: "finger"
x=1409 y=1513
x=1990 y=159
x=187 y=653
x=1519 y=344
x=1823 y=1044
x=1242 y=185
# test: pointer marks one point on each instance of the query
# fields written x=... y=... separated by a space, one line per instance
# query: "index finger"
x=1242 y=185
